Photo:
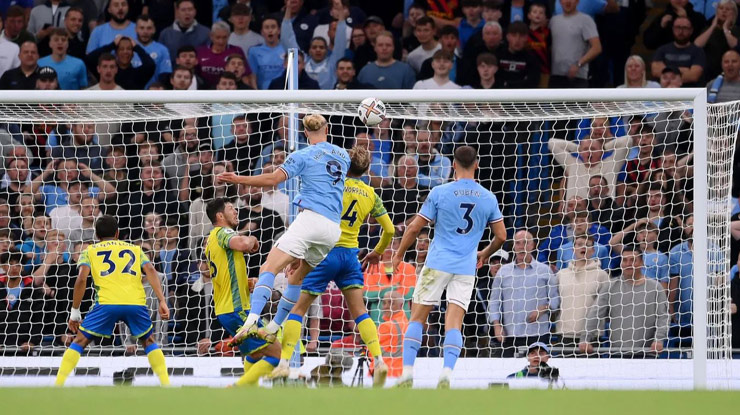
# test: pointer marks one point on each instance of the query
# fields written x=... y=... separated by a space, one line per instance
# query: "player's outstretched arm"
x=499 y=237
x=153 y=278
x=409 y=236
x=261 y=180
x=246 y=244
x=75 y=317
x=386 y=237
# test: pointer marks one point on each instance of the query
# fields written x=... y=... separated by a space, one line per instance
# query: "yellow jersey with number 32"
x=228 y=272
x=116 y=269
x=359 y=201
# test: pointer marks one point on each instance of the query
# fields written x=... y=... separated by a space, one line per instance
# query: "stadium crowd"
x=609 y=239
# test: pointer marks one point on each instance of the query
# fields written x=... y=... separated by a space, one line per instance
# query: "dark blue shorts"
x=340 y=266
x=100 y=321
x=234 y=321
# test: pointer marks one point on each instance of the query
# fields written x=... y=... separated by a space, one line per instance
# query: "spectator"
x=645 y=235
x=15 y=23
x=568 y=210
x=242 y=151
x=17 y=175
x=107 y=71
x=67 y=217
x=34 y=245
x=660 y=30
x=273 y=198
x=604 y=211
x=25 y=75
x=176 y=164
x=581 y=225
x=198 y=175
x=656 y=209
x=73 y=21
x=588 y=158
x=260 y=222
x=539 y=39
x=171 y=259
x=152 y=230
x=391 y=330
x=681 y=294
x=81 y=144
x=637 y=309
x=21 y=318
x=158 y=52
x=127 y=76
x=575 y=43
x=346 y=76
x=442 y=63
x=119 y=25
x=434 y=168
x=405 y=196
x=242 y=36
x=89 y=210
x=237 y=64
x=518 y=67
x=487 y=66
x=415 y=12
x=489 y=41
x=725 y=87
x=212 y=57
x=200 y=225
x=46 y=17
x=329 y=16
x=421 y=248
x=8 y=55
x=366 y=53
x=302 y=20
x=386 y=72
x=471 y=22
x=524 y=292
x=71 y=71
x=579 y=284
x=635 y=74
x=379 y=174
x=47 y=79
x=182 y=79
x=266 y=60
x=449 y=40
x=428 y=45
x=64 y=173
x=152 y=197
x=681 y=53
x=186 y=31
x=720 y=36
x=322 y=62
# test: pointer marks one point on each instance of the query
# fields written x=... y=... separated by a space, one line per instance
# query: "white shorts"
x=431 y=284
x=310 y=237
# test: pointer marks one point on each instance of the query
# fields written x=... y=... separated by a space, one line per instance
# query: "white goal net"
x=617 y=212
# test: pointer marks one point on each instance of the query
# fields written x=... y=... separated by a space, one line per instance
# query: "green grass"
x=206 y=401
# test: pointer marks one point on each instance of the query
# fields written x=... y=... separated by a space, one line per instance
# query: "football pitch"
x=353 y=401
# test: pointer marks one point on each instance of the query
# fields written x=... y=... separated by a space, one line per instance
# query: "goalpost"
x=148 y=157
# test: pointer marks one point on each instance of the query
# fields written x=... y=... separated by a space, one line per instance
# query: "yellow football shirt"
x=359 y=201
x=116 y=269
x=228 y=272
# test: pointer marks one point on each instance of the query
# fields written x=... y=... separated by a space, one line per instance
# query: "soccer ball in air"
x=371 y=111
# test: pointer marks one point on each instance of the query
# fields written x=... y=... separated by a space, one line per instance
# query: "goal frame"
x=695 y=95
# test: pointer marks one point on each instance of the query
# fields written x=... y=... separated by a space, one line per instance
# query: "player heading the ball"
x=322 y=168
x=461 y=211
x=116 y=267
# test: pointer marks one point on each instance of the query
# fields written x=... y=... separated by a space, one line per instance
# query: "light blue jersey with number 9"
x=461 y=211
x=322 y=168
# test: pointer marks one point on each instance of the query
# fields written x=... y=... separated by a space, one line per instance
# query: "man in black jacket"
x=128 y=76
x=518 y=67
x=346 y=76
x=24 y=76
x=660 y=30
x=304 y=81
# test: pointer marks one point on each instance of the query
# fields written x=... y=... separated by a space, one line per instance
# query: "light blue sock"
x=412 y=342
x=288 y=300
x=262 y=292
x=452 y=347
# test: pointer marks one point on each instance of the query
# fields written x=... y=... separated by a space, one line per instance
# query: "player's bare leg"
x=292 y=334
x=453 y=324
x=412 y=342
x=368 y=332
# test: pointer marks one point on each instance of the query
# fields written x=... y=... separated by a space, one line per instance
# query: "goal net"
x=617 y=209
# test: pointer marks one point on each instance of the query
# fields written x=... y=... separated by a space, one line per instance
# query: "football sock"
x=158 y=364
x=259 y=369
x=69 y=362
x=451 y=347
x=261 y=294
x=287 y=301
x=291 y=335
x=369 y=334
x=412 y=343
x=248 y=362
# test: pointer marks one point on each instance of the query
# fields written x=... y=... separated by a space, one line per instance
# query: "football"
x=371 y=111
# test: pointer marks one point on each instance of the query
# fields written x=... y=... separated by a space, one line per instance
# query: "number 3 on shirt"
x=335 y=170
x=468 y=207
x=112 y=265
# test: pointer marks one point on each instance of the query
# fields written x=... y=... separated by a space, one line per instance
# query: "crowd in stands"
x=604 y=257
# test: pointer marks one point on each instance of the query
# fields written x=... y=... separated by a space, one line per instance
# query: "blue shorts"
x=234 y=321
x=101 y=320
x=340 y=266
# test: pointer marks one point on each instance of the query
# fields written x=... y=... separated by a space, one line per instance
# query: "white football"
x=371 y=111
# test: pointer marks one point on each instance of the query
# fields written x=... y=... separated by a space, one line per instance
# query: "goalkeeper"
x=343 y=267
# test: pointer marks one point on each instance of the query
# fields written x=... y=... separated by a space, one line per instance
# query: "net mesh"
x=578 y=184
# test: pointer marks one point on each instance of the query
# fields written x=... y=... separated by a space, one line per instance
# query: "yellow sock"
x=159 y=366
x=257 y=370
x=247 y=365
x=291 y=335
x=369 y=334
x=69 y=362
